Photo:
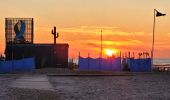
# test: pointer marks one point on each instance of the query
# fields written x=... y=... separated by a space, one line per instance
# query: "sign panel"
x=19 y=30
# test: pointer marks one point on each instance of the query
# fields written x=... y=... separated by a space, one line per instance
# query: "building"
x=43 y=54
x=19 y=44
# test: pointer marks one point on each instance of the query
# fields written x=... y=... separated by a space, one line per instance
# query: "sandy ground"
x=5 y=81
x=136 y=87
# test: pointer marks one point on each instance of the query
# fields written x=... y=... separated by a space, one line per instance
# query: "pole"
x=153 y=42
x=101 y=50
x=12 y=57
x=79 y=55
x=88 y=61
x=101 y=44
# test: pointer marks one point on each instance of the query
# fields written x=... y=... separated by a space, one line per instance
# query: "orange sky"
x=126 y=24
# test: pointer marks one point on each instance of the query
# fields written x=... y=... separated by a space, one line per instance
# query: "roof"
x=40 y=44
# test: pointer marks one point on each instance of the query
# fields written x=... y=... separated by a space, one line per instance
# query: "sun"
x=110 y=52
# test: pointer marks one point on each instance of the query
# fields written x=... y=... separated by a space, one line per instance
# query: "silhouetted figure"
x=126 y=67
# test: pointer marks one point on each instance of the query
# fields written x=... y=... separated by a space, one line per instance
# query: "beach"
x=136 y=87
x=5 y=82
x=139 y=86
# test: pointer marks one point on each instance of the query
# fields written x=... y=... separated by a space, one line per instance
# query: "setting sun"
x=110 y=52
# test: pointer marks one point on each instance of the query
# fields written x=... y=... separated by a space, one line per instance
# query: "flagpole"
x=153 y=42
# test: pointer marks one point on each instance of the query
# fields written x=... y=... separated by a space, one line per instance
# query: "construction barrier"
x=100 y=64
x=138 y=65
x=26 y=64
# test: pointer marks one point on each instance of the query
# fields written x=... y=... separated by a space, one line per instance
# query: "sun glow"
x=110 y=52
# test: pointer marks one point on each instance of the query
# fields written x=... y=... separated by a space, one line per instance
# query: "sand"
x=154 y=86
x=136 y=87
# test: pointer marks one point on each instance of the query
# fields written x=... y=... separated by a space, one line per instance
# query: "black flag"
x=158 y=14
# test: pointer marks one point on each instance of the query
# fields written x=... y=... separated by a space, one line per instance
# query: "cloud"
x=93 y=45
x=115 y=44
x=168 y=34
x=135 y=41
x=120 y=33
x=93 y=32
x=139 y=33
x=97 y=30
x=88 y=29
x=97 y=27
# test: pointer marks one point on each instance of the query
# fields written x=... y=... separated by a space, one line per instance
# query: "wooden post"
x=129 y=55
x=79 y=55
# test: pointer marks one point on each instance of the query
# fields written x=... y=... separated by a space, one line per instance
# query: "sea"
x=157 y=61
x=161 y=61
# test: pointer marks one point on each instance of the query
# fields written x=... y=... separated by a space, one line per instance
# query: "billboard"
x=19 y=30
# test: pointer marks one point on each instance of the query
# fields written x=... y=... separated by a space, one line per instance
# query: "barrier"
x=83 y=63
x=139 y=65
x=27 y=64
x=100 y=64
x=6 y=67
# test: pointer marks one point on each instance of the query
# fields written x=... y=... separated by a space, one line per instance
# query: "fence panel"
x=17 y=65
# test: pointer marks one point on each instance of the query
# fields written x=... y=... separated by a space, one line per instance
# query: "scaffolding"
x=13 y=28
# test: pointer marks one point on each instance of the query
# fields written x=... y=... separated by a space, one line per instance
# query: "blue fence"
x=135 y=65
x=138 y=65
x=27 y=64
x=100 y=64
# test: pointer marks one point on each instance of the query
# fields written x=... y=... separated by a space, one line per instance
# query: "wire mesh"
x=11 y=33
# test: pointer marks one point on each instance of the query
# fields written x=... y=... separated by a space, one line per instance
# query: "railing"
x=162 y=68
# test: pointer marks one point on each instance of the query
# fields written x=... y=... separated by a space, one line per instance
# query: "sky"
x=126 y=24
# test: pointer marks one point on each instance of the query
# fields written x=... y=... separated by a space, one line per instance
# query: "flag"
x=158 y=14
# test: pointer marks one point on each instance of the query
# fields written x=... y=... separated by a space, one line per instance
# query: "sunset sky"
x=126 y=24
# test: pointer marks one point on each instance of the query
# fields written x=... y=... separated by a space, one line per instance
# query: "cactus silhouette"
x=56 y=34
